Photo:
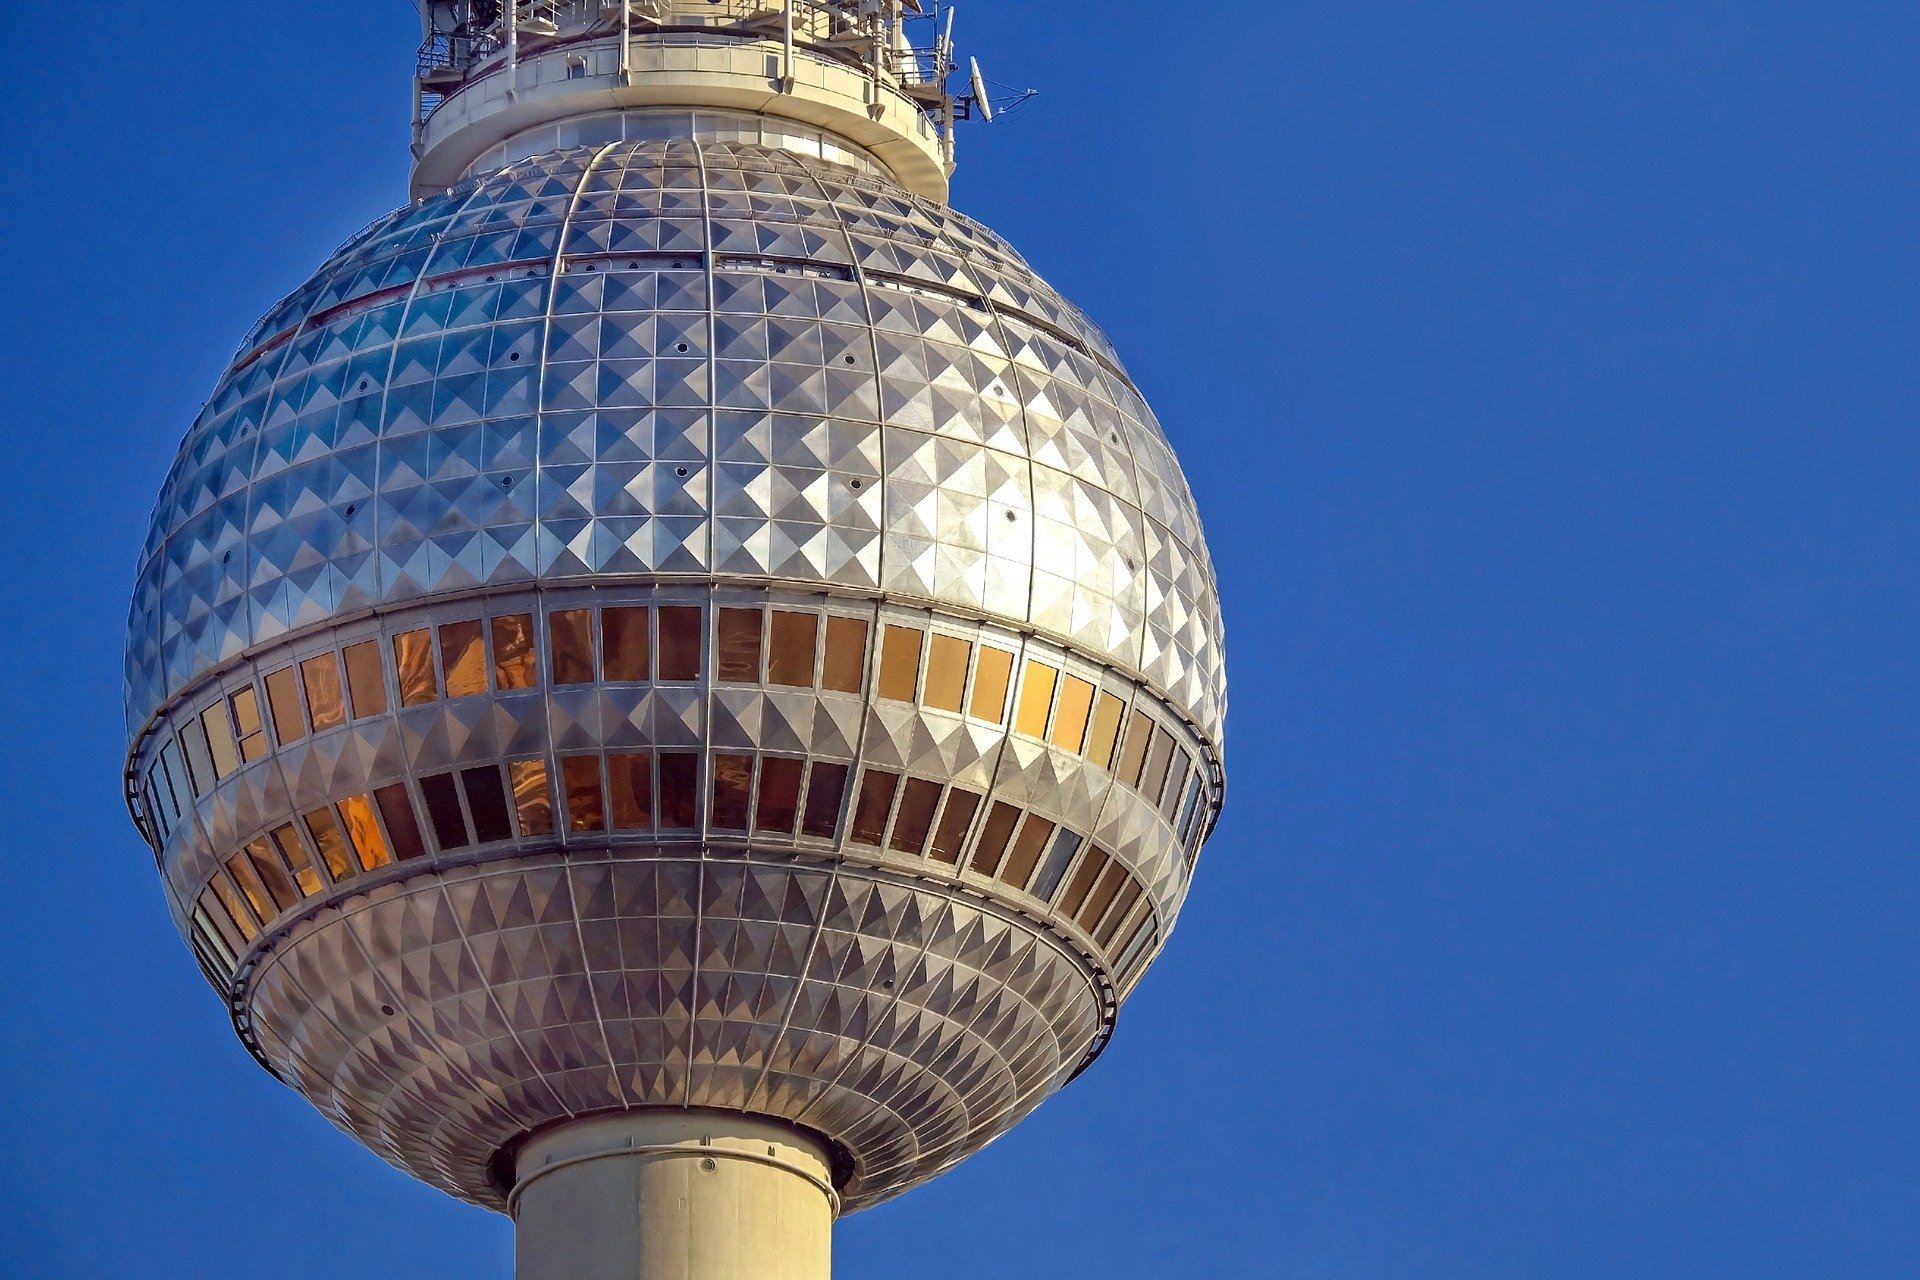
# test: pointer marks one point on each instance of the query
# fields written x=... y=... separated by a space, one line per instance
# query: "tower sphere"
x=676 y=621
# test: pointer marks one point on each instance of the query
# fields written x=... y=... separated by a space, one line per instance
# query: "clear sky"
x=1547 y=377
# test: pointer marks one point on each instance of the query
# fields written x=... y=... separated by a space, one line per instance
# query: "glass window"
x=1055 y=867
x=241 y=869
x=463 y=653
x=218 y=726
x=366 y=683
x=413 y=661
x=356 y=812
x=443 y=811
x=294 y=854
x=790 y=654
x=1036 y=699
x=1190 y=809
x=679 y=643
x=1081 y=885
x=1137 y=945
x=327 y=837
x=630 y=787
x=876 y=800
x=1176 y=785
x=990 y=685
x=623 y=633
x=918 y=800
x=1112 y=881
x=326 y=700
x=513 y=657
x=586 y=811
x=247 y=724
x=779 y=802
x=403 y=828
x=272 y=873
x=1106 y=729
x=532 y=798
x=739 y=646
x=283 y=696
x=199 y=760
x=1026 y=850
x=170 y=768
x=846 y=656
x=993 y=838
x=900 y=663
x=216 y=919
x=954 y=821
x=947 y=659
x=1134 y=754
x=1121 y=913
x=570 y=640
x=680 y=787
x=826 y=793
x=1070 y=722
x=486 y=803
x=732 y=790
x=235 y=906
x=1159 y=756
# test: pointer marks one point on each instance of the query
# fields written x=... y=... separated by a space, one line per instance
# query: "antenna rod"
x=513 y=48
x=626 y=41
x=786 y=27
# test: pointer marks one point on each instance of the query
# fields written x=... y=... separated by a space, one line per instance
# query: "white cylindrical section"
x=673 y=1195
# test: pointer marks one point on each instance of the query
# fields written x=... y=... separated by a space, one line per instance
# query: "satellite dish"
x=980 y=91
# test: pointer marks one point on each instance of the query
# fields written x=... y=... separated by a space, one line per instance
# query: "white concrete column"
x=673 y=1195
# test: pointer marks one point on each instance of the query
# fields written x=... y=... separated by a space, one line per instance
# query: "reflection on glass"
x=630 y=787
x=954 y=821
x=214 y=920
x=199 y=760
x=241 y=869
x=1026 y=850
x=1159 y=756
x=947 y=659
x=402 y=827
x=779 y=801
x=283 y=696
x=331 y=842
x=1070 y=722
x=443 y=811
x=846 y=656
x=246 y=719
x=679 y=643
x=294 y=854
x=272 y=873
x=623 y=632
x=486 y=803
x=1111 y=882
x=790 y=649
x=876 y=799
x=990 y=685
x=513 y=658
x=739 y=645
x=993 y=838
x=413 y=661
x=1122 y=911
x=918 y=799
x=219 y=730
x=680 y=786
x=1082 y=883
x=1106 y=730
x=899 y=663
x=1176 y=785
x=585 y=809
x=236 y=908
x=1134 y=754
x=1036 y=699
x=366 y=684
x=326 y=700
x=570 y=637
x=364 y=832
x=732 y=788
x=532 y=799
x=826 y=793
x=463 y=653
x=1055 y=867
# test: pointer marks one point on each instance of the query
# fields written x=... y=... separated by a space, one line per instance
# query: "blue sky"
x=1546 y=374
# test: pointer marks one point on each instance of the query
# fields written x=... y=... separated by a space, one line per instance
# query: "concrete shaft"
x=673 y=1195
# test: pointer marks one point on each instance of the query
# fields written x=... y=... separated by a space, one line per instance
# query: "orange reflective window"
x=1134 y=754
x=679 y=642
x=463 y=654
x=247 y=725
x=331 y=842
x=680 y=788
x=513 y=658
x=413 y=661
x=586 y=811
x=356 y=812
x=846 y=656
x=779 y=801
x=826 y=793
x=271 y=872
x=900 y=663
x=1106 y=729
x=444 y=812
x=738 y=645
x=1036 y=699
x=876 y=800
x=954 y=821
x=294 y=854
x=628 y=653
x=918 y=800
x=630 y=779
x=1070 y=721
x=947 y=659
x=219 y=920
x=993 y=838
x=570 y=641
x=241 y=870
x=219 y=730
x=790 y=649
x=403 y=828
x=732 y=790
x=326 y=699
x=283 y=696
x=366 y=683
x=1026 y=851
x=990 y=685
x=486 y=803
x=532 y=798
x=236 y=907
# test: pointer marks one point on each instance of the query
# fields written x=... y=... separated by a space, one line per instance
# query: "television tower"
x=676 y=686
